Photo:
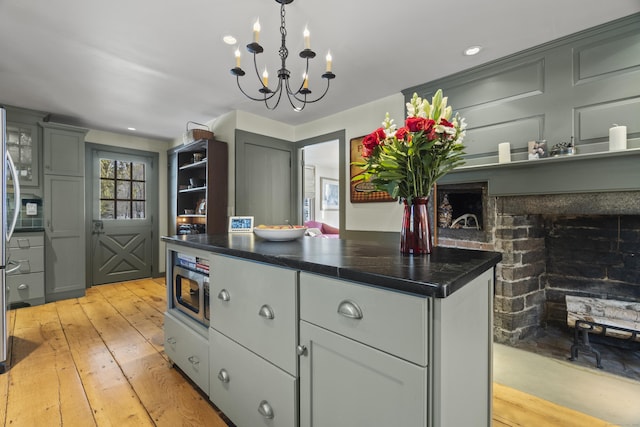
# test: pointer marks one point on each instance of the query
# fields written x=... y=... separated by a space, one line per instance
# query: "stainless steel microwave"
x=191 y=293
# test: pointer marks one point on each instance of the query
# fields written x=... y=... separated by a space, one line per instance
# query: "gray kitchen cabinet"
x=63 y=149
x=253 y=338
x=187 y=345
x=344 y=382
x=23 y=145
x=64 y=211
x=374 y=357
x=26 y=285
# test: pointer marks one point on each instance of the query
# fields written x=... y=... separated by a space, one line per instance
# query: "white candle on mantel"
x=617 y=138
x=504 y=152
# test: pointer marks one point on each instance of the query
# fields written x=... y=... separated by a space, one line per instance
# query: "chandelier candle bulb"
x=617 y=138
x=256 y=31
x=307 y=42
x=504 y=152
x=265 y=78
x=238 y=58
x=305 y=84
x=329 y=60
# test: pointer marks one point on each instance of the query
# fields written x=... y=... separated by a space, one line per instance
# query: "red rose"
x=402 y=133
x=371 y=141
x=445 y=122
x=415 y=124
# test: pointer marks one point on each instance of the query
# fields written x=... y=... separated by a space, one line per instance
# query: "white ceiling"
x=154 y=65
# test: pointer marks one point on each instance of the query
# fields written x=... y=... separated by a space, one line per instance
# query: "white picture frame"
x=240 y=224
x=329 y=194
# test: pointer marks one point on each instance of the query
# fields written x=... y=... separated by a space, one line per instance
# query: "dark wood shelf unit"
x=199 y=182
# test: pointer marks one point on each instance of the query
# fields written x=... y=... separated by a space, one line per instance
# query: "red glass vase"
x=415 y=235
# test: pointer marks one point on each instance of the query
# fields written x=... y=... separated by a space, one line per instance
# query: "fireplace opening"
x=554 y=245
x=462 y=211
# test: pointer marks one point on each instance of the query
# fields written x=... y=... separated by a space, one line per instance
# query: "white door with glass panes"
x=121 y=228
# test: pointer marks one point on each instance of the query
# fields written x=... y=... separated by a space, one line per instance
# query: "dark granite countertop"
x=438 y=275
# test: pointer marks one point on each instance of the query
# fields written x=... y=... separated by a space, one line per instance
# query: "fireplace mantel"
x=581 y=173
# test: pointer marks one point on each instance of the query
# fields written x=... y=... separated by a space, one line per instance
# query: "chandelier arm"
x=291 y=94
x=251 y=97
x=277 y=101
x=306 y=101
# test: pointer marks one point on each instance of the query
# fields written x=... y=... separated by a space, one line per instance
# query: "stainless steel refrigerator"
x=6 y=167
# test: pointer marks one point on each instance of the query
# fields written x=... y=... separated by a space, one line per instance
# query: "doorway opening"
x=321 y=184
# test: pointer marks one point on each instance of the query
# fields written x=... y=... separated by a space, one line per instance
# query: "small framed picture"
x=240 y=224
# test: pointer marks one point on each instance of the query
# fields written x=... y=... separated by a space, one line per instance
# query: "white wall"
x=357 y=122
x=145 y=144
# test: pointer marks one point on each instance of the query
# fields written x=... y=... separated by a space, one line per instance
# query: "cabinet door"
x=22 y=144
x=345 y=383
x=256 y=305
x=249 y=390
x=64 y=236
x=188 y=349
x=63 y=150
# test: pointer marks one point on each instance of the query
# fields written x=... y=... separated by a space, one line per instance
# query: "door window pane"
x=122 y=190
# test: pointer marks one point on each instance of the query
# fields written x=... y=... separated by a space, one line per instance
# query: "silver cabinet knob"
x=350 y=309
x=301 y=350
x=23 y=286
x=193 y=360
x=265 y=410
x=171 y=340
x=224 y=295
x=266 y=312
x=223 y=376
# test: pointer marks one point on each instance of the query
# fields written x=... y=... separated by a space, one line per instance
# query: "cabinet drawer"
x=26 y=240
x=242 y=382
x=23 y=287
x=31 y=259
x=188 y=349
x=256 y=305
x=390 y=321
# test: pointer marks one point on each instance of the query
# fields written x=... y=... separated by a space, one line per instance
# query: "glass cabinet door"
x=22 y=145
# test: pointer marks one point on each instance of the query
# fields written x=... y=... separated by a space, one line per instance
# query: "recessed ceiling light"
x=229 y=40
x=473 y=50
x=131 y=128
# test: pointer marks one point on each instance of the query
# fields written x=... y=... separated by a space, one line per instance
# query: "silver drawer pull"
x=350 y=309
x=194 y=360
x=266 y=312
x=301 y=350
x=224 y=295
x=171 y=340
x=265 y=410
x=23 y=286
x=223 y=376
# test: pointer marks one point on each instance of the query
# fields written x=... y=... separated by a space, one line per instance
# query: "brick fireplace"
x=585 y=244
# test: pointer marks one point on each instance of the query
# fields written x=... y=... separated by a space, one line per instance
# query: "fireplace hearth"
x=555 y=245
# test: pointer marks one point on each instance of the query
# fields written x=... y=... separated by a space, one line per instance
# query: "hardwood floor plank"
x=141 y=316
x=113 y=400
x=168 y=398
x=514 y=408
x=44 y=386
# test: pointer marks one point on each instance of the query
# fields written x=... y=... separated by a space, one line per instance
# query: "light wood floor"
x=99 y=361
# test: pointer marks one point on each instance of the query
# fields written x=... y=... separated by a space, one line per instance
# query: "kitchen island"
x=325 y=332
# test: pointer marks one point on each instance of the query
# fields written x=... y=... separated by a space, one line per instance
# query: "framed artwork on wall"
x=363 y=191
x=329 y=194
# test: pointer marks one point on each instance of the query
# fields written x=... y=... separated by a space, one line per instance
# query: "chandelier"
x=298 y=98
